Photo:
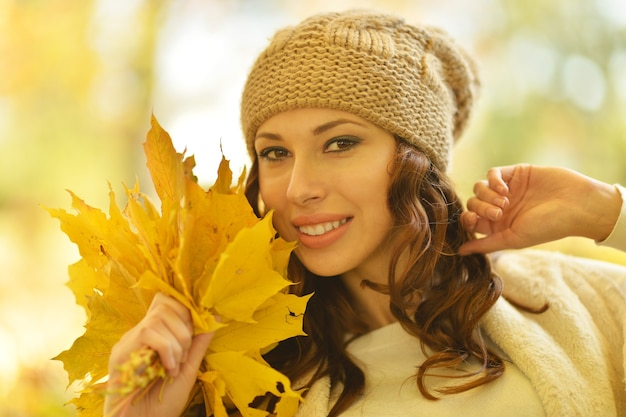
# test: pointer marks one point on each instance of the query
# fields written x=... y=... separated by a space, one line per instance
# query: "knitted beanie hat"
x=415 y=82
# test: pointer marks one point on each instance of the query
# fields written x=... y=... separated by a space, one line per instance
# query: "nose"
x=307 y=183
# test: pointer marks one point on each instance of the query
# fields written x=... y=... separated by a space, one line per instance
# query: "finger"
x=176 y=319
x=197 y=351
x=483 y=190
x=167 y=329
x=170 y=351
x=184 y=381
x=163 y=343
x=178 y=339
x=468 y=220
x=484 y=209
x=174 y=314
x=175 y=306
x=496 y=180
x=484 y=245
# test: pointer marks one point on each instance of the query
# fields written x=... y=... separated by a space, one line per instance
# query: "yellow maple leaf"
x=84 y=280
x=263 y=332
x=243 y=375
x=91 y=402
x=250 y=277
x=206 y=249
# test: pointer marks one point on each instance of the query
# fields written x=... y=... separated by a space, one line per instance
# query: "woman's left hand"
x=524 y=205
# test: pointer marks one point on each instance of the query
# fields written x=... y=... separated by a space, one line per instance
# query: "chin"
x=323 y=273
x=319 y=266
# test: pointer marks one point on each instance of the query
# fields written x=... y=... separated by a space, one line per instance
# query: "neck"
x=371 y=305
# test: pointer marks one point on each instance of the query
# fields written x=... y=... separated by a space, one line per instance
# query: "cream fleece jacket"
x=573 y=354
x=617 y=238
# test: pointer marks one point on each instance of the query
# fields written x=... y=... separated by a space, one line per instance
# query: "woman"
x=350 y=119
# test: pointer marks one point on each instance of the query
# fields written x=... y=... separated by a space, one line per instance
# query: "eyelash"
x=265 y=153
x=347 y=141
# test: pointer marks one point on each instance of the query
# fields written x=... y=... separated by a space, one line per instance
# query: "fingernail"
x=500 y=202
x=494 y=213
x=171 y=364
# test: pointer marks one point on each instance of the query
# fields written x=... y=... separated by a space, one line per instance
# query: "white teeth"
x=320 y=229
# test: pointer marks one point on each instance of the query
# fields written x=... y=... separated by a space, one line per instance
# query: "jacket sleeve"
x=617 y=238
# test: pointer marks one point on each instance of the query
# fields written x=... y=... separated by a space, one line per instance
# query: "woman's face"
x=326 y=175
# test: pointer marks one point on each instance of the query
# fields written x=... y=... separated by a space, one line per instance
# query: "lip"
x=325 y=239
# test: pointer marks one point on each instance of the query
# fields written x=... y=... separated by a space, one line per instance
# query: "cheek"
x=376 y=183
x=270 y=193
x=273 y=198
x=376 y=200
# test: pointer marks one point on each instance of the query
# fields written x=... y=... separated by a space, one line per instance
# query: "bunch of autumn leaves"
x=206 y=249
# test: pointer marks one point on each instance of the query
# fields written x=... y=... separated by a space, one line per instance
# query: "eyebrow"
x=317 y=131
x=327 y=126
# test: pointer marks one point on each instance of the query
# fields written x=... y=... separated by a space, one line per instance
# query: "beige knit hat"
x=412 y=81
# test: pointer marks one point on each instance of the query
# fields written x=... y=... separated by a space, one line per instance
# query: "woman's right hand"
x=167 y=329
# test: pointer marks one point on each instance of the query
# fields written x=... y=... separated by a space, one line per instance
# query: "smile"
x=321 y=228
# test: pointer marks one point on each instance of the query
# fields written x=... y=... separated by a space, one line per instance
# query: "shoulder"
x=535 y=278
x=578 y=292
x=541 y=276
x=579 y=338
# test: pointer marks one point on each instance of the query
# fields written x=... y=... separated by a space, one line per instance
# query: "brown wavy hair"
x=438 y=296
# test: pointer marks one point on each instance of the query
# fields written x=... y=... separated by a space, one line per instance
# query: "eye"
x=274 y=153
x=341 y=144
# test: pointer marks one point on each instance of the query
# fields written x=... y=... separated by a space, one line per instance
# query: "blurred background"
x=79 y=80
